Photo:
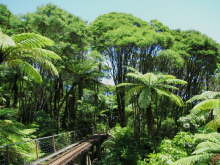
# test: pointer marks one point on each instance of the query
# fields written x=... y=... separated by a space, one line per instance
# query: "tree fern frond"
x=137 y=77
x=176 y=99
x=32 y=53
x=207 y=105
x=192 y=160
x=208 y=147
x=132 y=92
x=126 y=85
x=49 y=66
x=149 y=78
x=166 y=76
x=32 y=40
x=214 y=137
x=213 y=124
x=165 y=86
x=6 y=41
x=196 y=113
x=144 y=98
x=50 y=55
x=26 y=68
x=176 y=81
x=204 y=96
x=133 y=70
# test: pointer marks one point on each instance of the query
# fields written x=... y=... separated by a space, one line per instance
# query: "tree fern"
x=209 y=105
x=25 y=51
x=145 y=89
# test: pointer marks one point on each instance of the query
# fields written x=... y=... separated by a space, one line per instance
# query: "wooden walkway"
x=75 y=151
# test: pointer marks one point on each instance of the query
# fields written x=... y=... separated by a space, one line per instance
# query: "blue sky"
x=202 y=15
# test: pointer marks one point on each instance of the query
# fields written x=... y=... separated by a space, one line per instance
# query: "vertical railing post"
x=36 y=148
x=53 y=143
x=69 y=138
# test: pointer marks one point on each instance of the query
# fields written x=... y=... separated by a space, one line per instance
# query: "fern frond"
x=165 y=86
x=47 y=65
x=137 y=77
x=192 y=160
x=176 y=81
x=133 y=70
x=213 y=124
x=208 y=147
x=26 y=68
x=32 y=40
x=144 y=98
x=6 y=41
x=214 y=137
x=47 y=54
x=207 y=105
x=132 y=92
x=126 y=85
x=176 y=99
x=204 y=96
x=150 y=78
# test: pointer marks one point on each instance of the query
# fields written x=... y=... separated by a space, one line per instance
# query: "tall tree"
x=126 y=41
x=148 y=88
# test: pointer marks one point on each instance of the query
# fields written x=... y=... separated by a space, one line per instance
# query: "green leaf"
x=207 y=105
x=176 y=99
x=32 y=40
x=145 y=98
x=6 y=41
x=28 y=69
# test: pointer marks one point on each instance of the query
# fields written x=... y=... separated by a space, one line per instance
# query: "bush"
x=122 y=148
x=180 y=146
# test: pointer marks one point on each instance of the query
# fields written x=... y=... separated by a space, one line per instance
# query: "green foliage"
x=15 y=132
x=204 y=152
x=149 y=83
x=208 y=106
x=149 y=64
x=170 y=150
x=122 y=148
x=18 y=50
x=8 y=113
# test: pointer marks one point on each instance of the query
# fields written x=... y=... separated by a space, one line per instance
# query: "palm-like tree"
x=25 y=51
x=209 y=105
x=147 y=88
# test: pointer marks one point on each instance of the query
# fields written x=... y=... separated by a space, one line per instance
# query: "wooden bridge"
x=80 y=153
x=61 y=149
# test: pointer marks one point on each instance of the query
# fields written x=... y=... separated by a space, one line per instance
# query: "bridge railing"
x=26 y=152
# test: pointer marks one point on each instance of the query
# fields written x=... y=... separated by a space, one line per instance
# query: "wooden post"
x=88 y=159
x=53 y=143
x=98 y=150
x=36 y=148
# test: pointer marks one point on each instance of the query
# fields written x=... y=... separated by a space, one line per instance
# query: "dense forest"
x=162 y=109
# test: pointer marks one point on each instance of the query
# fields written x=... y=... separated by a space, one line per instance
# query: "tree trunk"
x=150 y=121
x=15 y=90
x=121 y=108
